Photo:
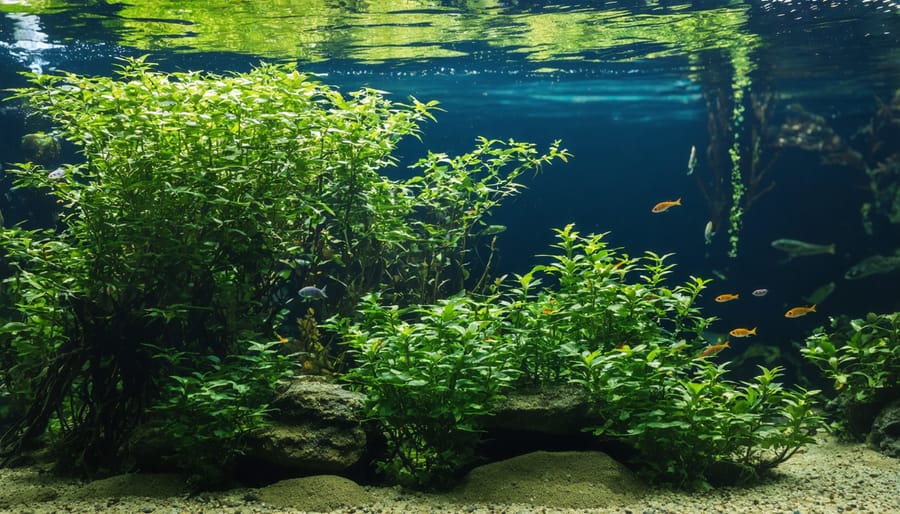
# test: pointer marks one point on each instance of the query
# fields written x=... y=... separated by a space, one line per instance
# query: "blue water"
x=628 y=112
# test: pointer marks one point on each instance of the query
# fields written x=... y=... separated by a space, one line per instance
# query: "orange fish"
x=727 y=297
x=743 y=332
x=664 y=206
x=547 y=310
x=796 y=312
x=712 y=350
x=282 y=339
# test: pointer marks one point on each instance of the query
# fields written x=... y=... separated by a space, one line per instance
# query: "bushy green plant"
x=593 y=306
x=429 y=380
x=862 y=356
x=199 y=198
x=203 y=201
x=685 y=420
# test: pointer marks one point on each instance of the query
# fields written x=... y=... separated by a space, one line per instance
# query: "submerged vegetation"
x=167 y=298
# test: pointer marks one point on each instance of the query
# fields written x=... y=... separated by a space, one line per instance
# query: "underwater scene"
x=395 y=243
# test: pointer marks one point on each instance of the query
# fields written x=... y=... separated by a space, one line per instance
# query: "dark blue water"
x=629 y=110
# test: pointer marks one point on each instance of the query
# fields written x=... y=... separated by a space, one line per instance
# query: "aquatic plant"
x=429 y=374
x=202 y=202
x=690 y=426
x=588 y=304
x=862 y=356
x=432 y=372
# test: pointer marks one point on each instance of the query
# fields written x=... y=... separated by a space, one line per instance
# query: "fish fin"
x=832 y=249
x=753 y=332
x=323 y=291
x=678 y=201
x=812 y=308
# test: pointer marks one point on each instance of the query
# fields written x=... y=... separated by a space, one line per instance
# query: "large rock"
x=885 y=435
x=317 y=429
x=553 y=479
x=555 y=410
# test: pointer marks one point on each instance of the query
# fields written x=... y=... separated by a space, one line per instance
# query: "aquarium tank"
x=686 y=212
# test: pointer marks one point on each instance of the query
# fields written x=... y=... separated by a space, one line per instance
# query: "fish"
x=873 y=265
x=312 y=293
x=760 y=292
x=796 y=312
x=664 y=206
x=795 y=248
x=743 y=332
x=692 y=161
x=57 y=174
x=821 y=293
x=712 y=350
x=727 y=297
x=492 y=230
x=708 y=232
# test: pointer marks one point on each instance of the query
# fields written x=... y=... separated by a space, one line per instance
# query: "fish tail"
x=832 y=248
x=726 y=345
x=812 y=308
x=753 y=332
x=678 y=202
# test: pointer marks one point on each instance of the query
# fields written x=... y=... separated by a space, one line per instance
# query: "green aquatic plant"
x=197 y=197
x=430 y=373
x=203 y=202
x=688 y=425
x=590 y=304
x=862 y=357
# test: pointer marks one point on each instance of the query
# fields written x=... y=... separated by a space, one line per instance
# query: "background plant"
x=862 y=356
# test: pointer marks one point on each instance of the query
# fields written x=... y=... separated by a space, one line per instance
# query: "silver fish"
x=795 y=248
x=57 y=174
x=692 y=161
x=874 y=265
x=708 y=232
x=312 y=293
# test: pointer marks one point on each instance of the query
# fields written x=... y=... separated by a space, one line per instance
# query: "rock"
x=321 y=493
x=317 y=429
x=309 y=447
x=150 y=485
x=885 y=435
x=556 y=410
x=553 y=479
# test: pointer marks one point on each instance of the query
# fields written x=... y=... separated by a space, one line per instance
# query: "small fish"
x=547 y=310
x=692 y=161
x=760 y=292
x=312 y=293
x=712 y=350
x=492 y=230
x=664 y=206
x=282 y=339
x=796 y=248
x=873 y=265
x=821 y=294
x=796 y=312
x=722 y=298
x=57 y=174
x=708 y=232
x=743 y=332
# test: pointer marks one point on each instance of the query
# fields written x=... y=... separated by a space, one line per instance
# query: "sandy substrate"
x=827 y=478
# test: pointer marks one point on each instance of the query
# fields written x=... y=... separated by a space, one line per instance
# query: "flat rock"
x=553 y=479
x=320 y=493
